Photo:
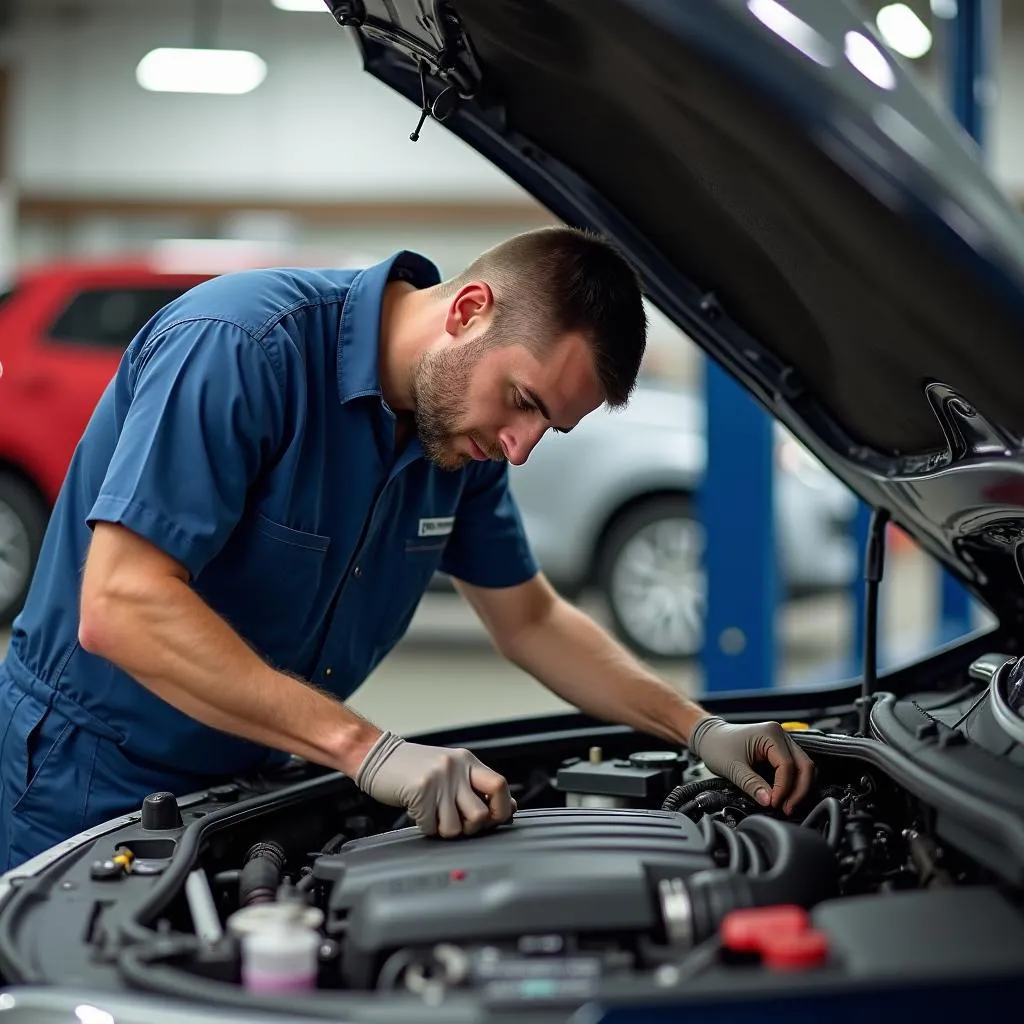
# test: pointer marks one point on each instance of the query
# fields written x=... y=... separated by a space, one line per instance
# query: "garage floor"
x=445 y=672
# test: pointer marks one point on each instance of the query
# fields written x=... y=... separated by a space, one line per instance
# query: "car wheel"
x=652 y=576
x=23 y=517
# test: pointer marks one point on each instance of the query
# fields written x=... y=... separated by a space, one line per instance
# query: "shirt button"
x=327 y=671
x=357 y=572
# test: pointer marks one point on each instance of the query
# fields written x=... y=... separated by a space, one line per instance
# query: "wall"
x=318 y=127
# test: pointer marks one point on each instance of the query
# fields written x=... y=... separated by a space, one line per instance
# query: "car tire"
x=23 y=519
x=652 y=577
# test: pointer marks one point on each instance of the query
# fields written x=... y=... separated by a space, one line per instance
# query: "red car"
x=63 y=328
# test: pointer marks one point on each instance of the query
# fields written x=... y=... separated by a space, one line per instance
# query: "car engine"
x=626 y=871
x=635 y=865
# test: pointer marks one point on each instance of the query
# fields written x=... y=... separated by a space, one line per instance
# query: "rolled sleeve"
x=200 y=408
x=488 y=546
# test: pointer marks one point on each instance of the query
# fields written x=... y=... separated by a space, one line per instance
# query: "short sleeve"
x=200 y=410
x=488 y=546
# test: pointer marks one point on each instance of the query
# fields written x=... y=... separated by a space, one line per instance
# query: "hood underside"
x=831 y=240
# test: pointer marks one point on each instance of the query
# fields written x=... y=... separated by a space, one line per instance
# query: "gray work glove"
x=440 y=787
x=731 y=751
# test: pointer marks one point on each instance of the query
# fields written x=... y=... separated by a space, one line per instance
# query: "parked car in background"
x=63 y=328
x=610 y=506
x=613 y=507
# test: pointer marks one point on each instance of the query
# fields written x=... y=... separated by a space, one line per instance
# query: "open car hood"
x=792 y=201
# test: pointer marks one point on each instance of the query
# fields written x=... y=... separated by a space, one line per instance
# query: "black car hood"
x=832 y=240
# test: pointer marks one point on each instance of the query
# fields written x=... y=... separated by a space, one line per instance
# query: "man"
x=264 y=491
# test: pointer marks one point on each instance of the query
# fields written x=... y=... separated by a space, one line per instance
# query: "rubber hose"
x=755 y=861
x=686 y=792
x=707 y=802
x=831 y=809
x=803 y=870
x=261 y=874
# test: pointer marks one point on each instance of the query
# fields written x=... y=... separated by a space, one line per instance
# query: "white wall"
x=317 y=128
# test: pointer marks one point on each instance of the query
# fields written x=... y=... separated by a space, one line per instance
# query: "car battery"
x=643 y=779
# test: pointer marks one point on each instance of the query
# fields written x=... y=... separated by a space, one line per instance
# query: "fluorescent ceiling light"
x=228 y=72
x=869 y=60
x=299 y=5
x=904 y=31
x=788 y=26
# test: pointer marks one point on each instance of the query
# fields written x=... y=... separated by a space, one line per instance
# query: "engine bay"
x=626 y=870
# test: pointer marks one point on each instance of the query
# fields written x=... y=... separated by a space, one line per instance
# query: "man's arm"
x=139 y=612
x=576 y=659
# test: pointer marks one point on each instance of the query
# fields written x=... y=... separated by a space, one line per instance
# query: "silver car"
x=612 y=507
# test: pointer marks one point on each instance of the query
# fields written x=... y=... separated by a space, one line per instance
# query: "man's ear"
x=470 y=308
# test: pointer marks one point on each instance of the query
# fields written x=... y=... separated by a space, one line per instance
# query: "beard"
x=440 y=382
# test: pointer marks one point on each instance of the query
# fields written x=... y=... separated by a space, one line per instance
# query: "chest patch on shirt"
x=438 y=527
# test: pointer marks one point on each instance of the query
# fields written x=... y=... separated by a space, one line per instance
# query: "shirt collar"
x=358 y=335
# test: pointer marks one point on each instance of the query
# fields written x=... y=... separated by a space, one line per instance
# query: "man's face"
x=476 y=400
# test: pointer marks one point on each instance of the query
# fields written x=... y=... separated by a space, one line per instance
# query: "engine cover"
x=565 y=871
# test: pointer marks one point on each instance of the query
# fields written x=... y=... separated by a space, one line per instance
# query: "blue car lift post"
x=737 y=510
x=966 y=40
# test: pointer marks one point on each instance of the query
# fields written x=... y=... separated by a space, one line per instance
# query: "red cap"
x=782 y=935
x=745 y=931
x=795 y=952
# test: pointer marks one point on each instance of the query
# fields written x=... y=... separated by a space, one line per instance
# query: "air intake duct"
x=802 y=870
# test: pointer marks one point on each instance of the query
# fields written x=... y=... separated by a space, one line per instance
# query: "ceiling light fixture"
x=904 y=31
x=299 y=5
x=179 y=69
x=788 y=26
x=869 y=60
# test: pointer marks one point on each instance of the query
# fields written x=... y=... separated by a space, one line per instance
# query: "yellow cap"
x=795 y=726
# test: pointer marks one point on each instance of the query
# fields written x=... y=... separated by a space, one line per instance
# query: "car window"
x=109 y=317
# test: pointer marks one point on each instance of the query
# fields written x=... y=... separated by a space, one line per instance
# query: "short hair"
x=553 y=281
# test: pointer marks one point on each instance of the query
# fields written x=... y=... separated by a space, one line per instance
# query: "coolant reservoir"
x=282 y=959
x=280 y=945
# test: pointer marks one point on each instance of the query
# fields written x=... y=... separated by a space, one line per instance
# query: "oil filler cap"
x=160 y=811
x=781 y=935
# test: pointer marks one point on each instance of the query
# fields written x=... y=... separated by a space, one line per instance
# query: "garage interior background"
x=315 y=163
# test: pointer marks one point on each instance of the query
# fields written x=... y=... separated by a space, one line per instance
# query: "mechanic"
x=262 y=495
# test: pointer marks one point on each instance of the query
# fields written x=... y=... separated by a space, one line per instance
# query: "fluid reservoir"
x=280 y=959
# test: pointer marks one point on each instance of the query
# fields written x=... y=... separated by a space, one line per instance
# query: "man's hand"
x=439 y=787
x=731 y=751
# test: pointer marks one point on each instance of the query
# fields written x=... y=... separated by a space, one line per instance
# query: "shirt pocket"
x=267 y=583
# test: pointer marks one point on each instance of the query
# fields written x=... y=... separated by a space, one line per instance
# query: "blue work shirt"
x=246 y=436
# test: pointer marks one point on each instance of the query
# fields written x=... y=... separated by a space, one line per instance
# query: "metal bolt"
x=732 y=640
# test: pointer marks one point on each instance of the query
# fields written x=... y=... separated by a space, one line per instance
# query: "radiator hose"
x=261 y=874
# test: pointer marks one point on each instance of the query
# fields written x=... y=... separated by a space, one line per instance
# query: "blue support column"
x=738 y=514
x=971 y=37
x=861 y=528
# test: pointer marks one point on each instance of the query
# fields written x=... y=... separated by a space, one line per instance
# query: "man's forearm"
x=179 y=648
x=577 y=660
